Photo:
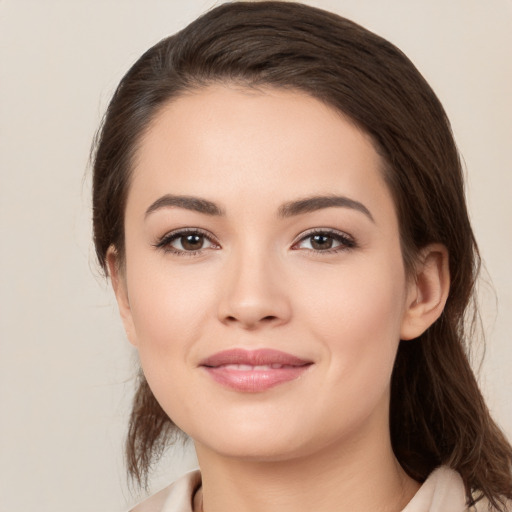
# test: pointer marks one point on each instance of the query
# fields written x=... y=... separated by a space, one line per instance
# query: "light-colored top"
x=443 y=491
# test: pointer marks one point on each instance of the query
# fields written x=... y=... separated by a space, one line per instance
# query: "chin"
x=252 y=449
x=267 y=441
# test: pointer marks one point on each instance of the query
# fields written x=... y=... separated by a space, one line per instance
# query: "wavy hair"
x=437 y=413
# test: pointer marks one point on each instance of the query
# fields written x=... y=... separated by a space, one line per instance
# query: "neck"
x=336 y=478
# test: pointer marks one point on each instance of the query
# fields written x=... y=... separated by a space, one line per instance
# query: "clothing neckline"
x=442 y=491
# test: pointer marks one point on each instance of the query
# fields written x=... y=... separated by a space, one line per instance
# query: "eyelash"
x=346 y=241
x=165 y=242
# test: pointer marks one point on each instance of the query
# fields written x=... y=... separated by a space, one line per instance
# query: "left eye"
x=324 y=241
x=190 y=242
x=186 y=242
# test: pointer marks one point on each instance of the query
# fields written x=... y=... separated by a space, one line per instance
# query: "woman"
x=279 y=203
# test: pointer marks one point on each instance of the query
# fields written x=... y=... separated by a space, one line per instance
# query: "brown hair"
x=437 y=413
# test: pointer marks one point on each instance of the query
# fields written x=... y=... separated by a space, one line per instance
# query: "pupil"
x=321 y=242
x=192 y=242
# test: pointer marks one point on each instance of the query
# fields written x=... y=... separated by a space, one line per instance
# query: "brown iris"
x=320 y=242
x=192 y=242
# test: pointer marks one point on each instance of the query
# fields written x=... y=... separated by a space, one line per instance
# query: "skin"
x=319 y=442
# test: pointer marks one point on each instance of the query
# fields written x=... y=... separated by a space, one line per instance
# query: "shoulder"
x=443 y=490
x=176 y=497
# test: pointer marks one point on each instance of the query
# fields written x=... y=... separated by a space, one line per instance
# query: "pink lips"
x=255 y=370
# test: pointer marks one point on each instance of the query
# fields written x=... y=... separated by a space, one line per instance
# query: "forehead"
x=229 y=143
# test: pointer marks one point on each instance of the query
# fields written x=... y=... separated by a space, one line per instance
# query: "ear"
x=118 y=280
x=427 y=291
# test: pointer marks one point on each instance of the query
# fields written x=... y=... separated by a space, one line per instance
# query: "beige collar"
x=443 y=491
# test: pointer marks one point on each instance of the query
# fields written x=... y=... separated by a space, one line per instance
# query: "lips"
x=254 y=371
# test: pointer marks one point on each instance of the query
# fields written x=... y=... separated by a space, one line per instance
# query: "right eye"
x=326 y=241
x=186 y=242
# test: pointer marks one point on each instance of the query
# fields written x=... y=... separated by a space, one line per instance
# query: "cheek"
x=357 y=316
x=169 y=306
x=169 y=313
x=361 y=299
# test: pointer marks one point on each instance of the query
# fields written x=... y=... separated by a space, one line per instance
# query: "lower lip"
x=254 y=381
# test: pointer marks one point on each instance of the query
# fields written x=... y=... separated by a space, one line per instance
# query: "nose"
x=254 y=293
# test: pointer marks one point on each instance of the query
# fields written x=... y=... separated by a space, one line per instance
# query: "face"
x=264 y=286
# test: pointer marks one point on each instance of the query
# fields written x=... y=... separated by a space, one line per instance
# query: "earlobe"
x=118 y=280
x=427 y=291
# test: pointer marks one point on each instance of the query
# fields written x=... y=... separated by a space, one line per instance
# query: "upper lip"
x=253 y=357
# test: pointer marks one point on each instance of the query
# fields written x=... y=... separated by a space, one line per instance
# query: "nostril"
x=265 y=319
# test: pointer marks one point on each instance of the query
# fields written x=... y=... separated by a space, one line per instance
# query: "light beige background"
x=65 y=368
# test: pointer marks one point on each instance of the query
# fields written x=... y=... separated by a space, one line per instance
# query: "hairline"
x=197 y=85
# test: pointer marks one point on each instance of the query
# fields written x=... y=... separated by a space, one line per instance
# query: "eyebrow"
x=311 y=204
x=195 y=204
x=288 y=209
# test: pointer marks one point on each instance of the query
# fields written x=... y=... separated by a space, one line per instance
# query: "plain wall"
x=66 y=371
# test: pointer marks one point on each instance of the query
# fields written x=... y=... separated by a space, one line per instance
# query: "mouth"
x=253 y=371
